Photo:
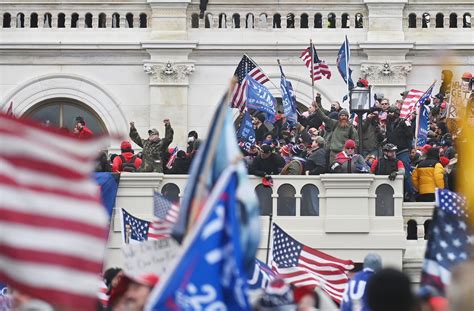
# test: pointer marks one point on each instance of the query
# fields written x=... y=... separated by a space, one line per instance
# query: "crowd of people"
x=322 y=141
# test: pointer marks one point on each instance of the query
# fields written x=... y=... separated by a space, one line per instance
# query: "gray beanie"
x=343 y=111
x=373 y=261
x=320 y=141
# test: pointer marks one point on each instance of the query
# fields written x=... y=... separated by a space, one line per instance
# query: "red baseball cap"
x=147 y=279
x=350 y=144
x=125 y=145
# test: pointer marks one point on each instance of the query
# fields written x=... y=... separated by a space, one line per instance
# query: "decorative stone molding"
x=169 y=72
x=386 y=73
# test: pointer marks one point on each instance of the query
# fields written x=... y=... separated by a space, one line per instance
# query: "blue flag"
x=209 y=272
x=108 y=183
x=422 y=126
x=343 y=58
x=261 y=277
x=259 y=98
x=134 y=229
x=288 y=99
x=218 y=152
x=246 y=133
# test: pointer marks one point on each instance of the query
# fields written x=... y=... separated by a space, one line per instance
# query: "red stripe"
x=47 y=168
x=326 y=256
x=53 y=191
x=334 y=265
x=51 y=258
x=309 y=277
x=53 y=296
x=40 y=221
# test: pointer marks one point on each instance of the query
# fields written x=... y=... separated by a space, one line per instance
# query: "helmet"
x=389 y=147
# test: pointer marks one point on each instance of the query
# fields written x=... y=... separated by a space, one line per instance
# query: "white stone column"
x=311 y=21
x=67 y=20
x=169 y=18
x=297 y=21
x=386 y=20
x=95 y=21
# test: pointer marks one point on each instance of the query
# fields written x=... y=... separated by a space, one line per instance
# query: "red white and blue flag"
x=165 y=216
x=409 y=103
x=304 y=266
x=170 y=162
x=246 y=67
x=317 y=67
x=53 y=225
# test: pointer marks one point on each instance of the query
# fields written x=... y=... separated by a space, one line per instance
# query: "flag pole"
x=347 y=51
x=312 y=69
x=269 y=236
x=262 y=71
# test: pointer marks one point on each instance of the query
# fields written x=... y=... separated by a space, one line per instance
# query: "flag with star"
x=449 y=240
x=134 y=229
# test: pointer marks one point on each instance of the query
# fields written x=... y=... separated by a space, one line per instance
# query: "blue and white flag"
x=261 y=277
x=343 y=58
x=134 y=229
x=208 y=274
x=422 y=126
x=246 y=133
x=288 y=99
x=216 y=154
x=259 y=98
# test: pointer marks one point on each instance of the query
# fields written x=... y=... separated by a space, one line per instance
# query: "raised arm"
x=134 y=135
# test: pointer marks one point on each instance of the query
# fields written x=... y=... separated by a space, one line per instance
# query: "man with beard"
x=341 y=130
x=372 y=134
x=400 y=133
x=388 y=164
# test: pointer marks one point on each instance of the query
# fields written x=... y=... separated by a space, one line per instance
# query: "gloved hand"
x=392 y=176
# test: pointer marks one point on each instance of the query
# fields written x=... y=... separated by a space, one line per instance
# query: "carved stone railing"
x=438 y=16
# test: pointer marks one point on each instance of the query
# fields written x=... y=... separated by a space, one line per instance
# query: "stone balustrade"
x=433 y=18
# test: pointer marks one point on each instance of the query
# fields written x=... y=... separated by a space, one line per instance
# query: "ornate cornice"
x=386 y=73
x=169 y=73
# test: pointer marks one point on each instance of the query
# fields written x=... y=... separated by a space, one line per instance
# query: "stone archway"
x=74 y=87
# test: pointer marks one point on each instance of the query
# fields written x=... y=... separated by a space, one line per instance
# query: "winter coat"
x=269 y=166
x=339 y=134
x=399 y=133
x=428 y=175
x=371 y=135
x=347 y=164
x=153 y=149
x=117 y=164
x=85 y=133
x=317 y=162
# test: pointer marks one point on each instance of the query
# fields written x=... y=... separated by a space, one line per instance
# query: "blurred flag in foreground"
x=52 y=223
x=449 y=240
x=208 y=273
x=301 y=265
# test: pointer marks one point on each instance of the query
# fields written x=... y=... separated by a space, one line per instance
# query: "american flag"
x=166 y=214
x=169 y=165
x=301 y=265
x=53 y=225
x=134 y=229
x=449 y=240
x=261 y=277
x=102 y=294
x=245 y=67
x=413 y=97
x=320 y=68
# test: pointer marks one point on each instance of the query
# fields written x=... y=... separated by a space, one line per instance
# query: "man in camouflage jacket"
x=153 y=147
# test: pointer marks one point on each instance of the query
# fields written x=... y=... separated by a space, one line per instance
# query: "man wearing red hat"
x=349 y=162
x=132 y=292
x=126 y=161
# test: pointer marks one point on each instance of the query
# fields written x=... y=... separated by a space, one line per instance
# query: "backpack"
x=130 y=165
x=285 y=169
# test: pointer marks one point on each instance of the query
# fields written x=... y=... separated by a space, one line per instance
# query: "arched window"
x=453 y=20
x=88 y=20
x=116 y=20
x=345 y=20
x=412 y=230
x=290 y=20
x=208 y=20
x=286 y=203
x=310 y=200
x=427 y=228
x=171 y=192
x=34 y=20
x=74 y=20
x=318 y=21
x=412 y=20
x=195 y=20
x=264 y=195
x=249 y=21
x=277 y=21
x=61 y=20
x=47 y=20
x=425 y=20
x=143 y=20
x=129 y=18
x=304 y=21
x=236 y=20
x=222 y=20
x=466 y=20
x=331 y=20
x=440 y=20
x=359 y=20
x=20 y=20
x=62 y=112
x=102 y=20
x=384 y=203
x=7 y=20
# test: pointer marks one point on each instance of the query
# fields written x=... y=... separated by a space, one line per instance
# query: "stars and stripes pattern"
x=301 y=265
x=165 y=216
x=245 y=67
x=173 y=156
x=449 y=239
x=409 y=103
x=320 y=68
x=134 y=229
x=261 y=277
x=53 y=225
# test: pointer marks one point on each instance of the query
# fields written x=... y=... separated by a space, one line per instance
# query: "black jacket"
x=399 y=134
x=317 y=162
x=269 y=166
